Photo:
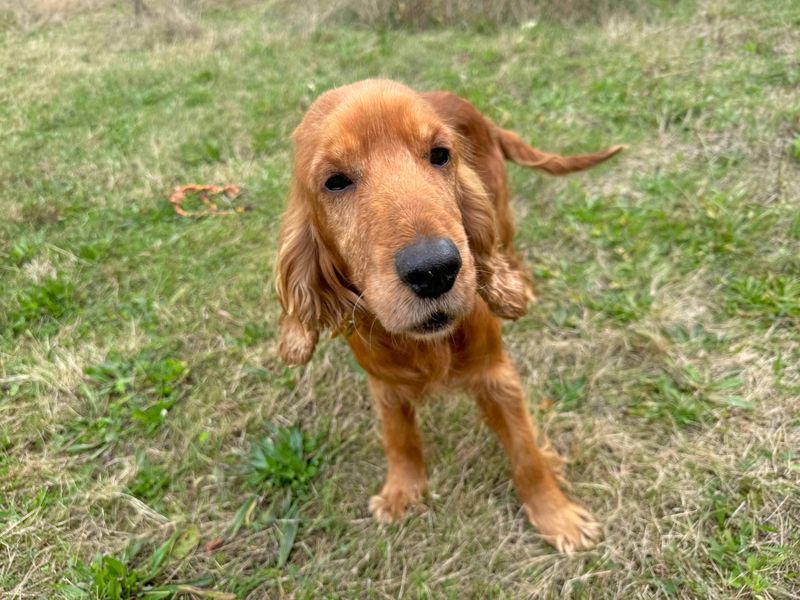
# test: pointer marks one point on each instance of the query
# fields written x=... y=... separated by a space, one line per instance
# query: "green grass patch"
x=42 y=305
x=132 y=574
x=123 y=395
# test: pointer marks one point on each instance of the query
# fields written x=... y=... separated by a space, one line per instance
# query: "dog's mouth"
x=437 y=322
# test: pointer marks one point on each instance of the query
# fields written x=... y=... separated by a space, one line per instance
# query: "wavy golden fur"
x=336 y=271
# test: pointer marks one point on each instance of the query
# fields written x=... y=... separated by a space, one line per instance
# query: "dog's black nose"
x=429 y=266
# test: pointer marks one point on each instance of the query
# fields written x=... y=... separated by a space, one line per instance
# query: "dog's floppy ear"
x=504 y=288
x=309 y=285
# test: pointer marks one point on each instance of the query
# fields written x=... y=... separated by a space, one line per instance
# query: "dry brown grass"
x=422 y=14
x=28 y=14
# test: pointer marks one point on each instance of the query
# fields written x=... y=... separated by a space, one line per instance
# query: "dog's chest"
x=404 y=362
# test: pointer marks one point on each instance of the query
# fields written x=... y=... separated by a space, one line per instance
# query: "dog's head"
x=385 y=219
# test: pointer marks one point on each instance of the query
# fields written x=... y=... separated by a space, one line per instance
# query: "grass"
x=151 y=445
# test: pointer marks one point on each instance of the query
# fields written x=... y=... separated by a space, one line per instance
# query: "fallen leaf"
x=212 y=545
x=546 y=404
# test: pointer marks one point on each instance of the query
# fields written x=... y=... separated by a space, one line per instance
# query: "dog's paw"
x=567 y=527
x=391 y=504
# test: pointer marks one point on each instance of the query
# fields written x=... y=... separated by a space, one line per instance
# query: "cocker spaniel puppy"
x=399 y=236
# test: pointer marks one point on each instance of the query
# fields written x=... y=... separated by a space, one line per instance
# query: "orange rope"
x=205 y=193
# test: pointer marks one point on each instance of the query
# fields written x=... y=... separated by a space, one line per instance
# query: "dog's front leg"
x=405 y=477
x=562 y=523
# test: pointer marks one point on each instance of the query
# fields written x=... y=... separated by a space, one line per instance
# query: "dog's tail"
x=516 y=150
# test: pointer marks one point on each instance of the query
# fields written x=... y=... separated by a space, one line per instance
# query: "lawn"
x=151 y=444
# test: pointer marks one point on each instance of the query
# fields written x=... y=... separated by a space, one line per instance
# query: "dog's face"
x=382 y=181
x=383 y=219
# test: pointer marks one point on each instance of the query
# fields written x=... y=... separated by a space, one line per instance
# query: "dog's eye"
x=338 y=182
x=440 y=157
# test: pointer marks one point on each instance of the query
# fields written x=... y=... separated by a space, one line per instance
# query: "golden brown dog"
x=398 y=234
